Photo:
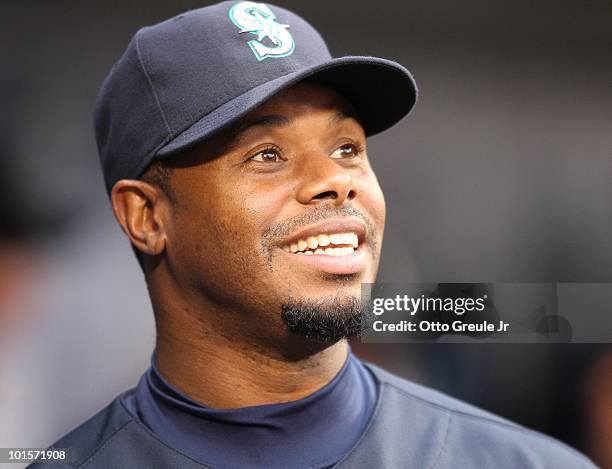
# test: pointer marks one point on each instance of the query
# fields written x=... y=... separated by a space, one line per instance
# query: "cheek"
x=380 y=206
x=257 y=209
x=220 y=244
x=373 y=200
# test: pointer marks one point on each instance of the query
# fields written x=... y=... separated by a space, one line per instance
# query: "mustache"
x=280 y=230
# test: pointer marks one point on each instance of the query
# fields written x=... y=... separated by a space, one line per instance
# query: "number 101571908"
x=8 y=455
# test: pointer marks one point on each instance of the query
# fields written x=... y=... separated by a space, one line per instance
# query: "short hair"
x=157 y=174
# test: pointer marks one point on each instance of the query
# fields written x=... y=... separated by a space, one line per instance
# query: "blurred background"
x=502 y=173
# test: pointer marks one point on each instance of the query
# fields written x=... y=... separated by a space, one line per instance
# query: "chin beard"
x=325 y=320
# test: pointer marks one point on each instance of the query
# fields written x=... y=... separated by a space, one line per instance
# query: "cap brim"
x=382 y=92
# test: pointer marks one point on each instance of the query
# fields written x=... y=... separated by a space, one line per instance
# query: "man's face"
x=282 y=212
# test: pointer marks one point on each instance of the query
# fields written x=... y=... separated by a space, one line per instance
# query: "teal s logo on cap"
x=258 y=19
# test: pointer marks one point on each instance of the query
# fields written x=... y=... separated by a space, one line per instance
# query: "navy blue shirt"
x=411 y=427
x=313 y=432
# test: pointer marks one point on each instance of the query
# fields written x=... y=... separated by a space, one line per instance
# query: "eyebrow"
x=234 y=134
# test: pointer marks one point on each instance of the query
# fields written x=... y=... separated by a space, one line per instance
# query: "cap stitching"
x=199 y=113
x=150 y=82
x=187 y=133
x=150 y=154
x=222 y=99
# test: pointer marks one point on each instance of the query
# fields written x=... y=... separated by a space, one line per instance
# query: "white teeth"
x=323 y=240
x=346 y=239
x=339 y=251
x=330 y=252
x=351 y=239
x=336 y=239
x=312 y=242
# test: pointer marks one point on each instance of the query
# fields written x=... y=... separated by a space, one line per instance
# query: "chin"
x=324 y=319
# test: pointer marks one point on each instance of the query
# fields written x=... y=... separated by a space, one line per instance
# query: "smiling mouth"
x=335 y=244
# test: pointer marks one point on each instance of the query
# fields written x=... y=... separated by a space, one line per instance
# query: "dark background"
x=501 y=174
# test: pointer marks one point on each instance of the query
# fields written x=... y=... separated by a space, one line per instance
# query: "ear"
x=140 y=209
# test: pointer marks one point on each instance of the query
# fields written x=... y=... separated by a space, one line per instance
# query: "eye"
x=347 y=151
x=269 y=155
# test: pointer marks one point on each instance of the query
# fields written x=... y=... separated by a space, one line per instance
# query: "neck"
x=229 y=371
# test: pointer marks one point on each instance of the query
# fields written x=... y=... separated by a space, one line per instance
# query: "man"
x=234 y=151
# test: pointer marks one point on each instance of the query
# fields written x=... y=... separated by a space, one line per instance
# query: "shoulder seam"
x=368 y=427
x=509 y=425
x=104 y=445
x=444 y=441
x=143 y=427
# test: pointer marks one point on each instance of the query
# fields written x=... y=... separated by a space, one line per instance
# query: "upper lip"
x=329 y=226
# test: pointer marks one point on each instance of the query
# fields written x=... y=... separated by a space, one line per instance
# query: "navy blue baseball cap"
x=182 y=80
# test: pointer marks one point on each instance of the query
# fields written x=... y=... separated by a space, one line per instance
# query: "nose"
x=326 y=180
